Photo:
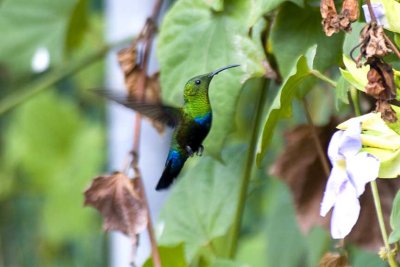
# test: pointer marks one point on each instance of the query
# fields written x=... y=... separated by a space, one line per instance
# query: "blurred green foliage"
x=51 y=145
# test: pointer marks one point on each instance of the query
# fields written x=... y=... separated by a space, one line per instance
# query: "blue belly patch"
x=203 y=119
x=175 y=157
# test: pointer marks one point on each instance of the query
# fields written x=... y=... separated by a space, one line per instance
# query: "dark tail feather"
x=171 y=171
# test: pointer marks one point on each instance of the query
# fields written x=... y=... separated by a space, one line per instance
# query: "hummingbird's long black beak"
x=215 y=72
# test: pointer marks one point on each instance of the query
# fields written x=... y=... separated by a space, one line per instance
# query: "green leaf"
x=294 y=31
x=285 y=244
x=357 y=77
x=392 y=11
x=217 y=5
x=282 y=105
x=395 y=219
x=77 y=26
x=170 y=256
x=227 y=263
x=261 y=7
x=28 y=25
x=205 y=42
x=202 y=203
x=342 y=89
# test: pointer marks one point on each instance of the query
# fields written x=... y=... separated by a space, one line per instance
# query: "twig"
x=371 y=11
x=392 y=45
x=317 y=141
x=147 y=33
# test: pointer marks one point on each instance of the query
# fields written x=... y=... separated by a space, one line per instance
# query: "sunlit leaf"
x=357 y=77
x=170 y=256
x=282 y=105
x=202 y=203
x=392 y=11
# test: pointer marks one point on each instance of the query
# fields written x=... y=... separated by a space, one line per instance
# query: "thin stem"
x=247 y=173
x=392 y=45
x=317 y=141
x=375 y=194
x=322 y=77
x=379 y=213
x=47 y=80
x=149 y=30
x=371 y=11
x=355 y=100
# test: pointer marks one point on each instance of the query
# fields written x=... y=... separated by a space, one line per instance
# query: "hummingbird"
x=191 y=122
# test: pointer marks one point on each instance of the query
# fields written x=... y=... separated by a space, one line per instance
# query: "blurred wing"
x=168 y=115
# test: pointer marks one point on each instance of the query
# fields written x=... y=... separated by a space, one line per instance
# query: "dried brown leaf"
x=300 y=168
x=373 y=42
x=119 y=203
x=334 y=260
x=375 y=85
x=129 y=60
x=330 y=20
x=350 y=10
x=387 y=113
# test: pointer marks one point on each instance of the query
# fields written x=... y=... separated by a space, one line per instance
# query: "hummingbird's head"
x=199 y=85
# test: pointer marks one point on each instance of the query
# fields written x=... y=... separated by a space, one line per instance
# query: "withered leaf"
x=373 y=42
x=350 y=10
x=330 y=20
x=119 y=203
x=386 y=110
x=300 y=168
x=334 y=260
x=135 y=79
x=348 y=14
x=375 y=85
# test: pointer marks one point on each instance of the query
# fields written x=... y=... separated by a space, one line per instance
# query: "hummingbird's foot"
x=199 y=151
x=189 y=150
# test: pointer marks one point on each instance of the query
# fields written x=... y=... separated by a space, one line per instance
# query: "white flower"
x=351 y=171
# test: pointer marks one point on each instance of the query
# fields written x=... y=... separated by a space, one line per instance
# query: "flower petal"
x=362 y=168
x=334 y=146
x=351 y=140
x=336 y=181
x=345 y=213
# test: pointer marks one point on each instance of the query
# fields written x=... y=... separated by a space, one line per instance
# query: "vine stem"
x=375 y=195
x=317 y=141
x=247 y=173
x=148 y=33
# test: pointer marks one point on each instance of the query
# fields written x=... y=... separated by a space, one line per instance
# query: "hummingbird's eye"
x=197 y=82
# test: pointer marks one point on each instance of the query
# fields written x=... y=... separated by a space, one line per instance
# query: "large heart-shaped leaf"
x=195 y=40
x=202 y=204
